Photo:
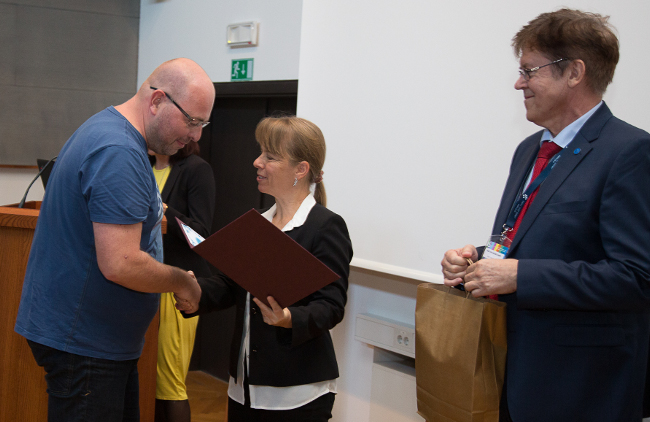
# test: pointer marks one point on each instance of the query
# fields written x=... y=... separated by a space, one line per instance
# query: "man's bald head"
x=183 y=78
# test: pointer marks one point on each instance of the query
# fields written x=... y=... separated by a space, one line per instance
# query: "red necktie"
x=546 y=152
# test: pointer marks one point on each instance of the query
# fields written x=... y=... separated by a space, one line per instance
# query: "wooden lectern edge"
x=25 y=218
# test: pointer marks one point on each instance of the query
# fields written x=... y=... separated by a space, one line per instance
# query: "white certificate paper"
x=193 y=237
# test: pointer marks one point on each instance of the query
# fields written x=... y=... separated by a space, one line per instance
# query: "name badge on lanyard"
x=497 y=246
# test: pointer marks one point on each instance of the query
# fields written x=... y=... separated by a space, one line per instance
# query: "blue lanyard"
x=523 y=198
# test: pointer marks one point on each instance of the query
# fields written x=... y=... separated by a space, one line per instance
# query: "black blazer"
x=303 y=354
x=190 y=195
x=579 y=322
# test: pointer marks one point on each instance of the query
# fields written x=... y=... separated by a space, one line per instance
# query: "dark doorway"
x=228 y=144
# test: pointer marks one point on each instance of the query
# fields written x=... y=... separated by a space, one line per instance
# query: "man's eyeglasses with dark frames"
x=528 y=73
x=192 y=122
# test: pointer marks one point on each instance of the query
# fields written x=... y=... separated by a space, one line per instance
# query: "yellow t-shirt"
x=161 y=176
x=175 y=344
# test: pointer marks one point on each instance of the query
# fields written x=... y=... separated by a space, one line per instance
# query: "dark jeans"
x=319 y=410
x=83 y=389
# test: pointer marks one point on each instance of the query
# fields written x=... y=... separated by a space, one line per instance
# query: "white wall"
x=197 y=29
x=14 y=183
x=374 y=293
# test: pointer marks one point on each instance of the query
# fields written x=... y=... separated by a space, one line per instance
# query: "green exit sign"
x=241 y=70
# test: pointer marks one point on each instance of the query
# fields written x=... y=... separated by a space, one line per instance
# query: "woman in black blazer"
x=188 y=193
x=282 y=361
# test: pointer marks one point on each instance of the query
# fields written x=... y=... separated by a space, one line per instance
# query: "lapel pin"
x=576 y=151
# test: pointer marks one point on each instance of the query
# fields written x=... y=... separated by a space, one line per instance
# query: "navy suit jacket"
x=579 y=322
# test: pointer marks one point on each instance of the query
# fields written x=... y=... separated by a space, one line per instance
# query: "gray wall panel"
x=60 y=63
x=112 y=7
x=7 y=44
x=43 y=119
x=76 y=50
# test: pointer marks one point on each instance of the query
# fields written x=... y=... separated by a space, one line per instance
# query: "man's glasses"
x=528 y=73
x=192 y=122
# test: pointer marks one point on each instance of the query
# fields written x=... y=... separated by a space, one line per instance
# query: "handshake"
x=187 y=298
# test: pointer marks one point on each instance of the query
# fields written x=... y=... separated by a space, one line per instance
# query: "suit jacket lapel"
x=171 y=180
x=558 y=175
x=572 y=155
x=516 y=178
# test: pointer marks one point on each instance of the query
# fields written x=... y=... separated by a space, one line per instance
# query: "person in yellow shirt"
x=187 y=188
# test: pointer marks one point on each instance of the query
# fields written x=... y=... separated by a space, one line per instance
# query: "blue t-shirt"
x=101 y=175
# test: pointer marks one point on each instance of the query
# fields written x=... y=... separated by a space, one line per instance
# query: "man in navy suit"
x=576 y=276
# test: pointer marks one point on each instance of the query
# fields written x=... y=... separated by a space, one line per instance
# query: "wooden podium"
x=22 y=381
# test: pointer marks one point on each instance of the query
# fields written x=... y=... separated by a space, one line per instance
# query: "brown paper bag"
x=460 y=355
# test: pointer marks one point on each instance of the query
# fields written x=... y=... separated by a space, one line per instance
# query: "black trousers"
x=319 y=410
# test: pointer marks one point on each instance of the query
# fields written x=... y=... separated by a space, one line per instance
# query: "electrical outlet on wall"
x=405 y=339
x=386 y=333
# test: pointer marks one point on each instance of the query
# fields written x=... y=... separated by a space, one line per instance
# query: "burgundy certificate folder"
x=263 y=260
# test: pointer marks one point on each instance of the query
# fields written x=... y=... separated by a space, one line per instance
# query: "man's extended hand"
x=187 y=300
